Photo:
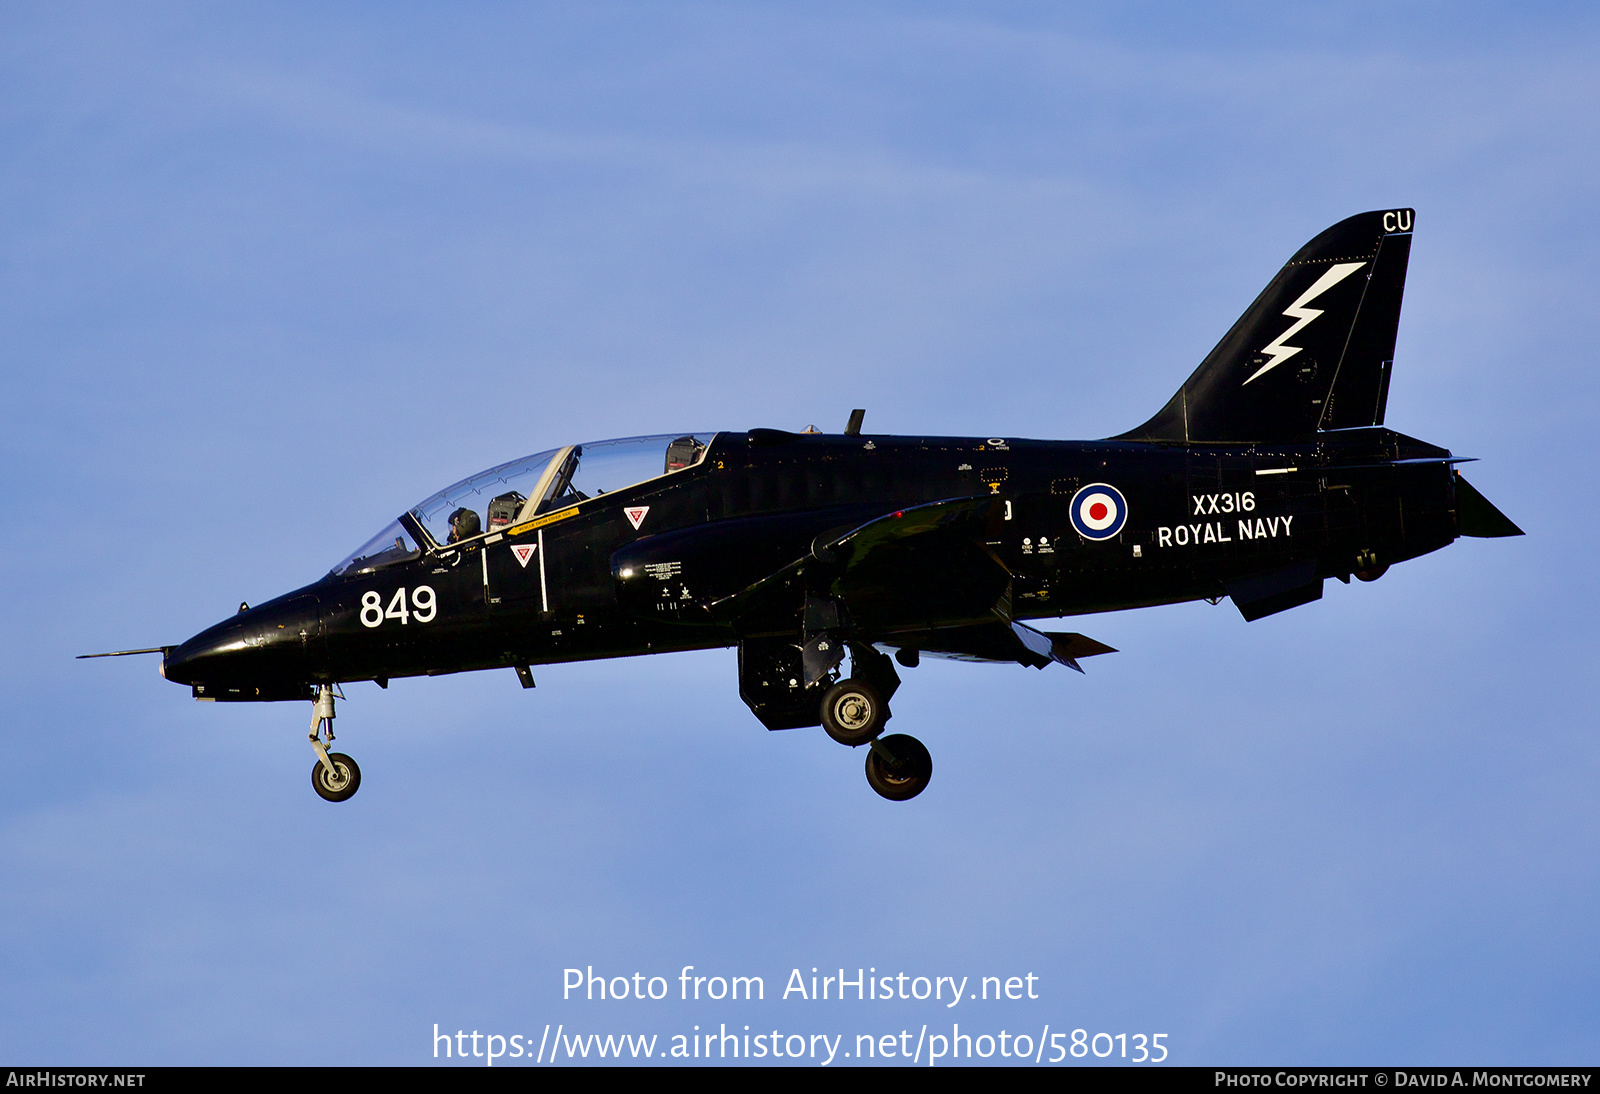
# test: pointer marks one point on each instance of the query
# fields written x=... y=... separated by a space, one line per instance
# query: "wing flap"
x=1003 y=642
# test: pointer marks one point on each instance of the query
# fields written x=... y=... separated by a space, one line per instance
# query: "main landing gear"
x=335 y=776
x=898 y=767
x=854 y=712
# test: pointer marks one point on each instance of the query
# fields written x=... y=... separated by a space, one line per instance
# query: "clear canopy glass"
x=544 y=482
x=603 y=467
x=509 y=485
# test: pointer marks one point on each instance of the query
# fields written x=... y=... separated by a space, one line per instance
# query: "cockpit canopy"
x=515 y=492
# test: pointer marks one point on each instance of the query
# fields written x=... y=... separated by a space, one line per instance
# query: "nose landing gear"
x=335 y=776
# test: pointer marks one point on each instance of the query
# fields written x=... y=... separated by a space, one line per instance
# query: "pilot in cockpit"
x=463 y=525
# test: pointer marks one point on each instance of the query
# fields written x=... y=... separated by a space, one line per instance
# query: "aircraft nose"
x=263 y=647
x=187 y=664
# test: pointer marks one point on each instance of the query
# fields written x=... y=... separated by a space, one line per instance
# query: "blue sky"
x=270 y=275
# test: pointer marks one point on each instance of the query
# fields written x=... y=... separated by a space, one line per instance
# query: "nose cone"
x=267 y=647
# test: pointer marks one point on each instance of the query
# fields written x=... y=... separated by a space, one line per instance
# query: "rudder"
x=1314 y=351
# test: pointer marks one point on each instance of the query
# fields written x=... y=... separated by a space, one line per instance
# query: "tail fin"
x=1313 y=352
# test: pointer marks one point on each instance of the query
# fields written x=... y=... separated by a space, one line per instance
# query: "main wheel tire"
x=905 y=778
x=853 y=712
x=343 y=784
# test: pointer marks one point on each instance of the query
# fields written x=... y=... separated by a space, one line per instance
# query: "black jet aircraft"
x=1268 y=472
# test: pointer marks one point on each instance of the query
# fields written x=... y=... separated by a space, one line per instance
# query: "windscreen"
x=393 y=544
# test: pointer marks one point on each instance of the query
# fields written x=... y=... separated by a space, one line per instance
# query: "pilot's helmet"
x=463 y=525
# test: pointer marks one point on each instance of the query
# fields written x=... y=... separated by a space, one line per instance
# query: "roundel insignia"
x=1099 y=511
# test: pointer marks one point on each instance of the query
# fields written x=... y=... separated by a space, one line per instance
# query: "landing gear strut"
x=335 y=776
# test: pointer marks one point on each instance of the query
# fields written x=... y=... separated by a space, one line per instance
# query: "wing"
x=916 y=568
x=922 y=579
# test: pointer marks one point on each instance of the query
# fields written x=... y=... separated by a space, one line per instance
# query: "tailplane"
x=1313 y=352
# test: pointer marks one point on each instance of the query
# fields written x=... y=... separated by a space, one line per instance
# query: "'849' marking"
x=424 y=606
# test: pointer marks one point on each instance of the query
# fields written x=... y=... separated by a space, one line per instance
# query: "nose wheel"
x=335 y=776
x=338 y=780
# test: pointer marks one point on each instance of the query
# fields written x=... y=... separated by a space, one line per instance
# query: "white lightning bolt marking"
x=1304 y=315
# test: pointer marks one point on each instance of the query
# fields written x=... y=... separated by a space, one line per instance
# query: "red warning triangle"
x=635 y=514
x=523 y=551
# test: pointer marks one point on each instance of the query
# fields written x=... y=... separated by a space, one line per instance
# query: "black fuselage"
x=1200 y=520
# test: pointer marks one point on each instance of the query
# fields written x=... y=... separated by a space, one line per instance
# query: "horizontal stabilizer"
x=1268 y=594
x=1476 y=515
